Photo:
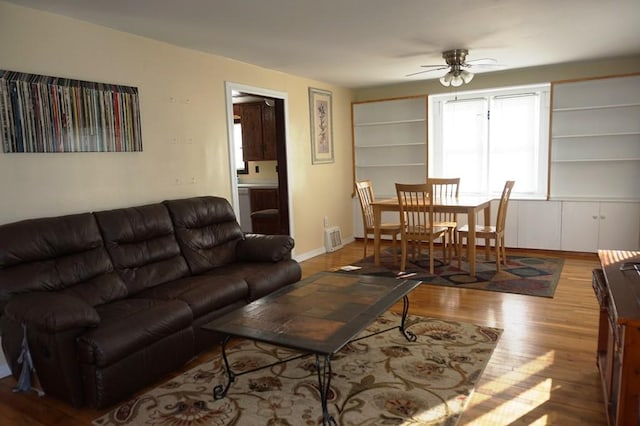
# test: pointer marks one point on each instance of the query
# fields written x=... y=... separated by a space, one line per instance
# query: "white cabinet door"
x=580 y=224
x=589 y=226
x=619 y=226
x=539 y=224
x=511 y=225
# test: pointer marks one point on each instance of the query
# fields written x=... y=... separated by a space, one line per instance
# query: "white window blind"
x=489 y=137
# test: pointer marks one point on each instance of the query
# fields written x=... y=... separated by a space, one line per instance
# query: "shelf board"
x=586 y=108
x=595 y=198
x=360 y=166
x=596 y=160
x=386 y=123
x=595 y=135
x=391 y=145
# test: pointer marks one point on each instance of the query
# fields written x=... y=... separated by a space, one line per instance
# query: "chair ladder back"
x=366 y=197
x=416 y=210
x=443 y=188
x=504 y=204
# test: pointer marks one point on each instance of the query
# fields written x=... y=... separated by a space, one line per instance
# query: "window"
x=489 y=137
x=242 y=167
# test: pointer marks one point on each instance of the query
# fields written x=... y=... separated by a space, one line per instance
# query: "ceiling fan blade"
x=482 y=61
x=422 y=72
x=486 y=66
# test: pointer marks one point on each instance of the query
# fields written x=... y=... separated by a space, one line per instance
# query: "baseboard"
x=318 y=251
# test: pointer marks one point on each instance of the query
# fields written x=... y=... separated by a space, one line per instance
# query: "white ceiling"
x=356 y=43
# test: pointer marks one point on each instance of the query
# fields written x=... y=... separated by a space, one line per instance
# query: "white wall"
x=36 y=185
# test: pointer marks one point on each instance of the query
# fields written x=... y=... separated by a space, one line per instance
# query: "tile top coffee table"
x=317 y=315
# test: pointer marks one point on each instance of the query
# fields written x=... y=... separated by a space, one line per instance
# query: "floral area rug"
x=379 y=380
x=533 y=276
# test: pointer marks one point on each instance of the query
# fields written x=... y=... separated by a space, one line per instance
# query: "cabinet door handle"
x=595 y=217
x=603 y=217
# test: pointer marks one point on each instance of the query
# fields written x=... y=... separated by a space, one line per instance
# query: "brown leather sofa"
x=113 y=300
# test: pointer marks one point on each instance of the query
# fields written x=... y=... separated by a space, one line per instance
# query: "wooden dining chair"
x=446 y=188
x=366 y=197
x=416 y=220
x=489 y=233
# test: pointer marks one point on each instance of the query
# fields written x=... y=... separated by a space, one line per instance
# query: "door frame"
x=260 y=91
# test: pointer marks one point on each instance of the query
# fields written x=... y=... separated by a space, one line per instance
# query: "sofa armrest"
x=51 y=312
x=264 y=248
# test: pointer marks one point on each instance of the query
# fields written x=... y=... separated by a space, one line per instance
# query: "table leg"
x=324 y=381
x=471 y=241
x=220 y=391
x=377 y=220
x=405 y=311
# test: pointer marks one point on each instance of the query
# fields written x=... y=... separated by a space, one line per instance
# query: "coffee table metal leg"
x=220 y=391
x=324 y=381
x=405 y=311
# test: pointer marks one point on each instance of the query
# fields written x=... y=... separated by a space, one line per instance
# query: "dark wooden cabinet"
x=618 y=353
x=265 y=213
x=258 y=122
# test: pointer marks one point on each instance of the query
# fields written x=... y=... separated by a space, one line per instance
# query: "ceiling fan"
x=457 y=66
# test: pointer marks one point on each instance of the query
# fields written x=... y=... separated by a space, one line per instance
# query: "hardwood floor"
x=542 y=372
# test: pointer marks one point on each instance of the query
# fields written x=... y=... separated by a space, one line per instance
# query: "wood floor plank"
x=543 y=371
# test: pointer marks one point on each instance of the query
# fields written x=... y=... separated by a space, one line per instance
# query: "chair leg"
x=498 y=251
x=487 y=248
x=460 y=239
x=403 y=254
x=504 y=252
x=431 y=255
x=365 y=244
x=394 y=241
x=454 y=242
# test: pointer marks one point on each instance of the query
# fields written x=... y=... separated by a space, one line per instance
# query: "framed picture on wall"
x=321 y=111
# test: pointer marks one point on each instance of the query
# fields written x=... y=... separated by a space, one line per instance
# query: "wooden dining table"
x=469 y=205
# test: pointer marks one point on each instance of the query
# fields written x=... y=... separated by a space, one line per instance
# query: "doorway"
x=238 y=93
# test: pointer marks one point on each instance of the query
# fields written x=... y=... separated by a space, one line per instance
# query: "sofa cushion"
x=262 y=277
x=64 y=253
x=264 y=248
x=127 y=326
x=142 y=245
x=51 y=312
x=207 y=231
x=203 y=293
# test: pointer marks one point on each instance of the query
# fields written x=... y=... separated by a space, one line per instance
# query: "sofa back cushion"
x=142 y=245
x=207 y=231
x=65 y=254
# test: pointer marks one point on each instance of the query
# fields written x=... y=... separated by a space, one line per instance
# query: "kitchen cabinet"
x=244 y=202
x=589 y=226
x=258 y=121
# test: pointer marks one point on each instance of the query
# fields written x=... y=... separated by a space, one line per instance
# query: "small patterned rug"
x=379 y=380
x=533 y=276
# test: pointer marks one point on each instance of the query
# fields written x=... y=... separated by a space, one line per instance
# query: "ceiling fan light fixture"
x=457 y=81
x=466 y=76
x=445 y=80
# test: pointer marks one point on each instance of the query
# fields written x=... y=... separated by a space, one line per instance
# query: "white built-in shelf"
x=596 y=139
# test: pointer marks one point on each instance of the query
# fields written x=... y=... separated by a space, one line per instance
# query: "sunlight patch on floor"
x=516 y=404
